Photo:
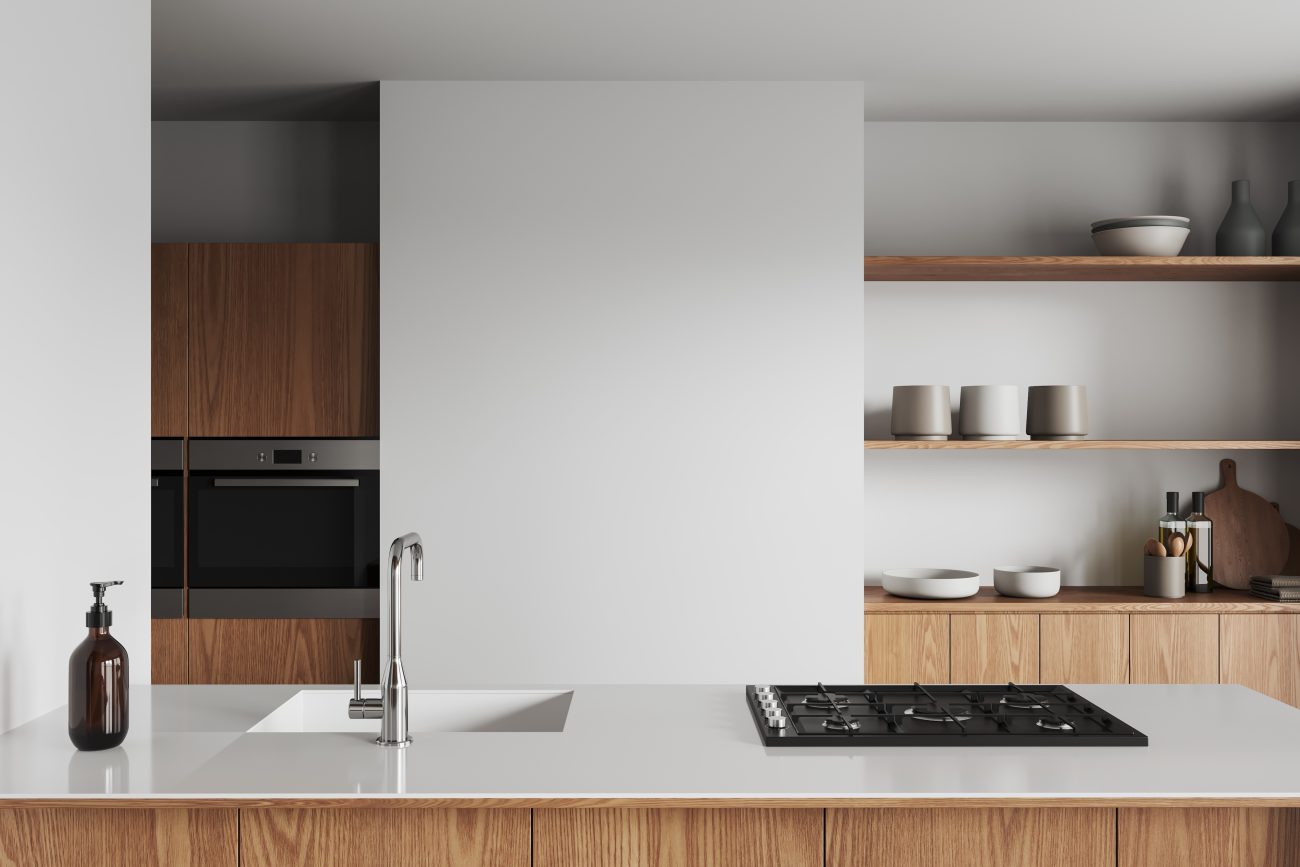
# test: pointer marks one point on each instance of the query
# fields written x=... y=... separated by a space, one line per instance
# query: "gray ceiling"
x=920 y=59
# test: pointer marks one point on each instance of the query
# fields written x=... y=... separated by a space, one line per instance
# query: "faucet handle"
x=362 y=708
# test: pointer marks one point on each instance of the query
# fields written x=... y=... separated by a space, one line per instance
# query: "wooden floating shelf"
x=1073 y=600
x=1082 y=268
x=1130 y=445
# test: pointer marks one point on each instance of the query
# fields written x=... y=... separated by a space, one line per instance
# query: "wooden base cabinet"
x=170 y=650
x=906 y=648
x=967 y=837
x=1209 y=837
x=1262 y=652
x=282 y=651
x=994 y=648
x=369 y=837
x=107 y=837
x=677 y=838
x=1174 y=648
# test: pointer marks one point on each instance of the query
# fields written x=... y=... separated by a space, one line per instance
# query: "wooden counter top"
x=1081 y=599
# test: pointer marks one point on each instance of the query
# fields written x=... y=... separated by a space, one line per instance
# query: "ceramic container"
x=921 y=412
x=1057 y=412
x=1241 y=233
x=1165 y=577
x=989 y=412
x=1033 y=582
x=1140 y=240
x=1286 y=236
x=932 y=583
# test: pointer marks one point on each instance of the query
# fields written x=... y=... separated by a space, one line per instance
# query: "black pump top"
x=99 y=616
x=1171 y=502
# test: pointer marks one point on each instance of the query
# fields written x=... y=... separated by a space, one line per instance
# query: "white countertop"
x=652 y=742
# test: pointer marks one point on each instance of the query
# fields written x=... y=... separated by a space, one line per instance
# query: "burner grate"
x=941 y=715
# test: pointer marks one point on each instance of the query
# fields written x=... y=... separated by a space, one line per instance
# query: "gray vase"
x=1241 y=233
x=1286 y=237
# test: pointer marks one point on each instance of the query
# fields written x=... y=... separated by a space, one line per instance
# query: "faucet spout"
x=395 y=729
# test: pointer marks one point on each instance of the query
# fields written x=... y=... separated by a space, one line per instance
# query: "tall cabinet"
x=264 y=340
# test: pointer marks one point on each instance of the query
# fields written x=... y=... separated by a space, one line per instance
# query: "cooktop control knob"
x=776 y=722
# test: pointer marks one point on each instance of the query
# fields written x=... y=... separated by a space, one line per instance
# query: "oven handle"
x=285 y=483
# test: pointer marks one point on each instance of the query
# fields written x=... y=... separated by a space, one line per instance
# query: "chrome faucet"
x=391 y=704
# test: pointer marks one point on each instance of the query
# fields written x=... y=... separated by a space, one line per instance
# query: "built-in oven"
x=284 y=528
x=167 y=526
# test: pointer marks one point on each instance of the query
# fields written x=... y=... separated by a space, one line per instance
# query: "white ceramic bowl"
x=1141 y=241
x=1143 y=220
x=932 y=583
x=1034 y=582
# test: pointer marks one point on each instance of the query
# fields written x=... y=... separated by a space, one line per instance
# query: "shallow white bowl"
x=1141 y=241
x=932 y=583
x=1034 y=582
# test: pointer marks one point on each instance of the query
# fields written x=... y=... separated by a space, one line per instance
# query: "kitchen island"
x=654 y=775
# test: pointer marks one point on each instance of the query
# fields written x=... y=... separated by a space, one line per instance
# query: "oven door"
x=284 y=530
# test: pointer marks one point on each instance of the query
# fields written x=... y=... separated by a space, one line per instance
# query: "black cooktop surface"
x=1000 y=715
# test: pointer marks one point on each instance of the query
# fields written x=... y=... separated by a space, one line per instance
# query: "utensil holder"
x=921 y=412
x=1164 y=577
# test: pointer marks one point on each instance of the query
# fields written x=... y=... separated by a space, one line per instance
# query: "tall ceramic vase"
x=1286 y=237
x=1241 y=233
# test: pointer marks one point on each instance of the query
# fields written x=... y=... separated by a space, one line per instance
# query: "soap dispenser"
x=97 y=681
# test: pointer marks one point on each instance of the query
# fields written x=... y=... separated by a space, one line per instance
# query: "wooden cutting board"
x=1250 y=537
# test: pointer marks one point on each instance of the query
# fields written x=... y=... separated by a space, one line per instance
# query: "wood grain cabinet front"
x=284 y=340
x=677 y=838
x=108 y=837
x=1174 y=648
x=964 y=837
x=1083 y=648
x=282 y=651
x=169 y=344
x=361 y=837
x=994 y=648
x=906 y=648
x=170 y=645
x=1262 y=651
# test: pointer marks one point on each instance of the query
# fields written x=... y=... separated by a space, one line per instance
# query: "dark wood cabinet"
x=284 y=340
x=282 y=651
x=170 y=650
x=169 y=294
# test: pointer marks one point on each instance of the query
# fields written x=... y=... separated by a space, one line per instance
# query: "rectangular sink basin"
x=430 y=710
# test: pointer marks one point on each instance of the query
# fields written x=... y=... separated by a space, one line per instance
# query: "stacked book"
x=1279 y=588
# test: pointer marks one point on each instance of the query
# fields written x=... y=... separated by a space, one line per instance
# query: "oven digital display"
x=287 y=456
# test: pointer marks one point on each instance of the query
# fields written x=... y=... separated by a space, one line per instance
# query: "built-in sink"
x=430 y=710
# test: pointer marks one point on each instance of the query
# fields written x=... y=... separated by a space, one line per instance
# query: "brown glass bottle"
x=97 y=682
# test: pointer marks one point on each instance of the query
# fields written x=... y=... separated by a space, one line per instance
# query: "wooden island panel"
x=677 y=838
x=363 y=836
x=970 y=838
x=110 y=837
x=1209 y=837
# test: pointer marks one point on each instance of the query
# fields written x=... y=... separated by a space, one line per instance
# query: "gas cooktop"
x=1004 y=715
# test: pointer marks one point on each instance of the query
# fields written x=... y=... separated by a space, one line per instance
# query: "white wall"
x=265 y=181
x=1161 y=360
x=621 y=367
x=74 y=340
